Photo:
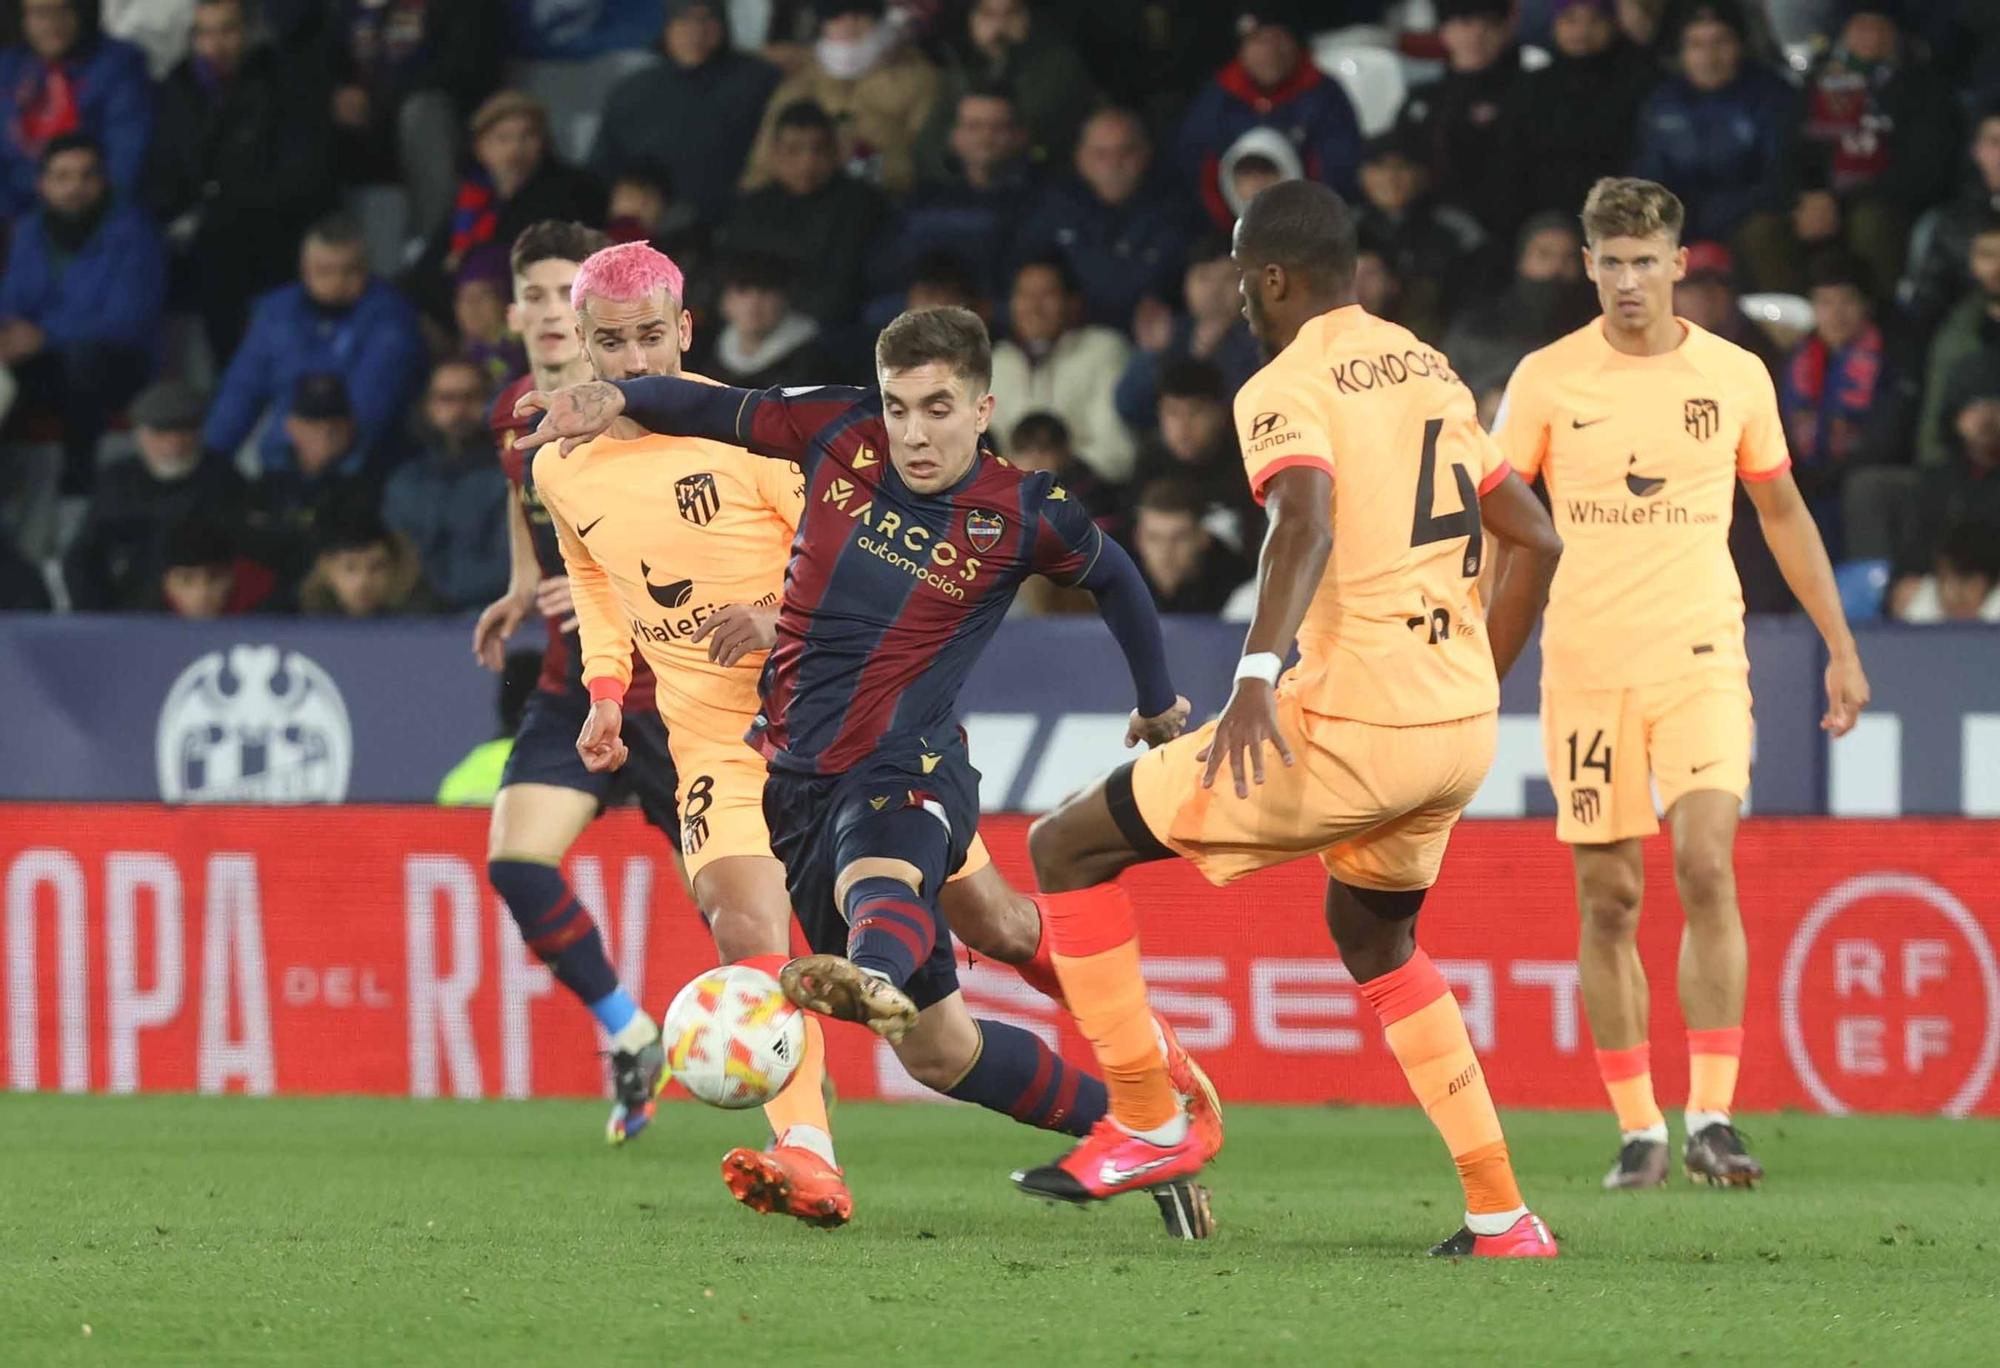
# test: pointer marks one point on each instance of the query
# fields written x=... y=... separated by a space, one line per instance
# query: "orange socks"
x=1092 y=939
x=1427 y=1035
x=798 y=1114
x=1713 y=1059
x=1628 y=1077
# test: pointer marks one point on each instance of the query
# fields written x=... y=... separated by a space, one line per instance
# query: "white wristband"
x=1263 y=665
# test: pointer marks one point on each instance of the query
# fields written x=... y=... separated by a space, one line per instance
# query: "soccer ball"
x=732 y=1038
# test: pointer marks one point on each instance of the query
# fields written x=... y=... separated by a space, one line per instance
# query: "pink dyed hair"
x=631 y=270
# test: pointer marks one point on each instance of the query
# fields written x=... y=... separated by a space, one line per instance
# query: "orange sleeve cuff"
x=1270 y=472
x=1758 y=476
x=1492 y=481
x=607 y=686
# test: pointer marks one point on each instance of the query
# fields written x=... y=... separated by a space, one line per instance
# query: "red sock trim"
x=1615 y=1066
x=1087 y=922
x=1039 y=972
x=1401 y=992
x=1723 y=1040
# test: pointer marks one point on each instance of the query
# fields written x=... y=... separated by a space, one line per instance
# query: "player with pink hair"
x=682 y=543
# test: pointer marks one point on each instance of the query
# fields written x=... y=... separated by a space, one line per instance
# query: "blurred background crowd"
x=254 y=301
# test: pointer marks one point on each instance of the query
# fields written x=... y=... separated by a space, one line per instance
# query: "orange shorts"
x=1609 y=749
x=1376 y=804
x=720 y=793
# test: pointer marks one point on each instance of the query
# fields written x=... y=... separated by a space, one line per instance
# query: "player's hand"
x=495 y=625
x=599 y=743
x=572 y=415
x=1250 y=720
x=1846 y=694
x=736 y=630
x=1160 y=728
x=552 y=600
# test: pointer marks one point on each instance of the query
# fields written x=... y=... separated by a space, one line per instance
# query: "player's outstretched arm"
x=1126 y=605
x=1795 y=545
x=1299 y=501
x=1529 y=552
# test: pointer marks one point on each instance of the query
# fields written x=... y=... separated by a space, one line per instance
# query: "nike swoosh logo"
x=583 y=529
x=1699 y=768
x=1112 y=1176
x=1579 y=423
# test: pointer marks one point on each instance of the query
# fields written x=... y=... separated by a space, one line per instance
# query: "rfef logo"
x=1890 y=999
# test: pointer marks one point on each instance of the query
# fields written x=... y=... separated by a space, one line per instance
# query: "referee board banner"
x=359 y=950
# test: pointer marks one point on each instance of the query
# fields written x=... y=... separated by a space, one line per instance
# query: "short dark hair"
x=1210 y=246
x=197 y=539
x=1256 y=161
x=804 y=114
x=756 y=271
x=353 y=528
x=1040 y=431
x=1837 y=267
x=1302 y=226
x=1172 y=494
x=1190 y=378
x=1988 y=221
x=1971 y=548
x=953 y=336
x=338 y=229
x=1051 y=261
x=985 y=89
x=650 y=177
x=554 y=240
x=946 y=269
x=70 y=142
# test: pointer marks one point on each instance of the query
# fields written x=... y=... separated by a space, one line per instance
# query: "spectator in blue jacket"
x=1271 y=83
x=336 y=319
x=702 y=83
x=1719 y=134
x=66 y=77
x=1123 y=236
x=972 y=207
x=450 y=501
x=81 y=301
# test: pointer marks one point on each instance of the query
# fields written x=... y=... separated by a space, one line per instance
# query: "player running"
x=1382 y=732
x=1640 y=424
x=657 y=532
x=546 y=795
x=902 y=569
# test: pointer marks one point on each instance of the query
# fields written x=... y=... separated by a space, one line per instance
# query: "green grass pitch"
x=222 y=1231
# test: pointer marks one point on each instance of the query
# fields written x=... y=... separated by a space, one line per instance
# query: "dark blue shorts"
x=886 y=807
x=545 y=753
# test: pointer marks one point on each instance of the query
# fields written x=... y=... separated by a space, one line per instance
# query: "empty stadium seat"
x=1372 y=76
x=1786 y=317
x=1862 y=584
x=575 y=93
x=384 y=212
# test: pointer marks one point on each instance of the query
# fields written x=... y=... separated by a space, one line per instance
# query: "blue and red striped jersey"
x=890 y=594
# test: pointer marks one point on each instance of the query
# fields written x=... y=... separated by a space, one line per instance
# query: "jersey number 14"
x=1427 y=527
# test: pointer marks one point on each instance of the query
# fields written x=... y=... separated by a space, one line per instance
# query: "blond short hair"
x=1625 y=206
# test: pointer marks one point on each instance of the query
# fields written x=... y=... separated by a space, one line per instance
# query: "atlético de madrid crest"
x=983 y=528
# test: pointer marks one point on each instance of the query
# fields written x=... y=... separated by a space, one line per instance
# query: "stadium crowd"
x=254 y=300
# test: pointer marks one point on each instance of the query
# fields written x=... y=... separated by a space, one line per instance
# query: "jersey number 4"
x=1427 y=527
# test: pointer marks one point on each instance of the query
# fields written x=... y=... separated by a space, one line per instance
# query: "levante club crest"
x=983 y=528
